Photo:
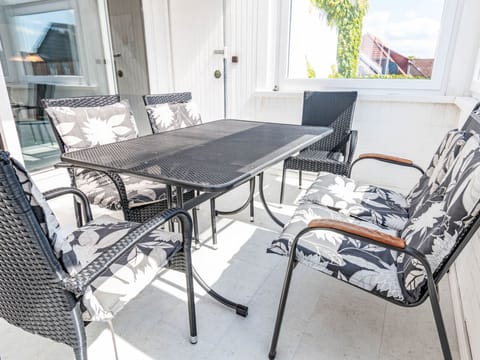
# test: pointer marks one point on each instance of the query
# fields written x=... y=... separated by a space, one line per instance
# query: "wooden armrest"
x=357 y=230
x=387 y=158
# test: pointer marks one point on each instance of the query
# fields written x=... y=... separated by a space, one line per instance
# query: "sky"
x=410 y=27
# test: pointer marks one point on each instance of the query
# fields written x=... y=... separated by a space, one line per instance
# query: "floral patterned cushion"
x=364 y=265
x=45 y=216
x=442 y=160
x=366 y=202
x=171 y=116
x=129 y=275
x=101 y=191
x=436 y=225
x=84 y=127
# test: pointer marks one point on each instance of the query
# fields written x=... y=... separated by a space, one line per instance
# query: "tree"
x=347 y=16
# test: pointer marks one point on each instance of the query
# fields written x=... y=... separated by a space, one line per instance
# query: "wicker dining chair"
x=110 y=190
x=182 y=113
x=44 y=275
x=333 y=153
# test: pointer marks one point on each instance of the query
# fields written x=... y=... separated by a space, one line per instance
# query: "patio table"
x=213 y=158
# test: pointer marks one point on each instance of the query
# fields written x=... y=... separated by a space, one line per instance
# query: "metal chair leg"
x=281 y=307
x=80 y=348
x=299 y=179
x=213 y=222
x=252 y=206
x=112 y=332
x=282 y=187
x=192 y=318
x=196 y=233
x=437 y=314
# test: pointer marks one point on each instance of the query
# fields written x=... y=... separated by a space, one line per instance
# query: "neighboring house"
x=58 y=51
x=376 y=58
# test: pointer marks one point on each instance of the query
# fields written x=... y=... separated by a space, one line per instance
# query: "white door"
x=196 y=33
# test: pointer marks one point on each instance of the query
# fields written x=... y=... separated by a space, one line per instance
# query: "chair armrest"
x=79 y=282
x=389 y=159
x=359 y=231
x=54 y=193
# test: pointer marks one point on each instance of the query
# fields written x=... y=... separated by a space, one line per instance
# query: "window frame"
x=436 y=85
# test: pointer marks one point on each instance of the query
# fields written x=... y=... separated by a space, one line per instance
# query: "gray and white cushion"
x=366 y=202
x=171 y=116
x=436 y=225
x=364 y=265
x=129 y=275
x=124 y=279
x=441 y=162
x=84 y=127
x=101 y=191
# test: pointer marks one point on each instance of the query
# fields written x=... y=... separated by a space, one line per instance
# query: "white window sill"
x=421 y=98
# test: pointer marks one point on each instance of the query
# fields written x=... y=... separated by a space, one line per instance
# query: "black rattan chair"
x=82 y=178
x=176 y=98
x=38 y=293
x=333 y=153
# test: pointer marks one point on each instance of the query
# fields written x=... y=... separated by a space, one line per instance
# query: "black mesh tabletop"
x=212 y=157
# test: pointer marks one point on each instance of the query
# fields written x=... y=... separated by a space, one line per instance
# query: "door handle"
x=217 y=74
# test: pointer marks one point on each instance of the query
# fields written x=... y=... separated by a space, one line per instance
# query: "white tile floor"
x=325 y=319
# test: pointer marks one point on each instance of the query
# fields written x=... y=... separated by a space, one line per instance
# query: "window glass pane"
x=46 y=43
x=47 y=53
x=363 y=38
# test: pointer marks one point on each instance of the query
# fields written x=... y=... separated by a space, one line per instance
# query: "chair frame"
x=136 y=214
x=348 y=145
x=39 y=296
x=433 y=278
x=157 y=99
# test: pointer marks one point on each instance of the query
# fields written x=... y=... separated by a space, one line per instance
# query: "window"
x=367 y=40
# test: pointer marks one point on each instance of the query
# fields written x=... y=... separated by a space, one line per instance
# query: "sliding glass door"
x=52 y=48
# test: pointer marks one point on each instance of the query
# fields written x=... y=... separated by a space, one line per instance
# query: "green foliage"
x=310 y=70
x=347 y=16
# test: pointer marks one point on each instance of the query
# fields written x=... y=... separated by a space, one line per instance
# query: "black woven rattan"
x=36 y=294
x=30 y=293
x=136 y=214
x=335 y=110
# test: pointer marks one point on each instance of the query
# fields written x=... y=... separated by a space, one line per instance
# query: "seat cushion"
x=129 y=275
x=84 y=127
x=101 y=191
x=442 y=160
x=366 y=202
x=438 y=225
x=359 y=263
x=171 y=116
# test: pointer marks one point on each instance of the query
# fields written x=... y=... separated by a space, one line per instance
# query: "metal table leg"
x=244 y=206
x=240 y=309
x=264 y=202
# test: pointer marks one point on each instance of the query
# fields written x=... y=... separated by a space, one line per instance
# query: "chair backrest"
x=444 y=221
x=171 y=111
x=473 y=121
x=76 y=102
x=30 y=296
x=334 y=109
